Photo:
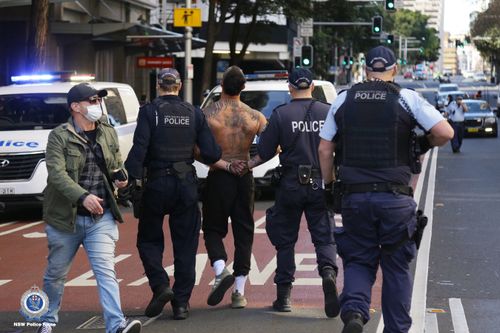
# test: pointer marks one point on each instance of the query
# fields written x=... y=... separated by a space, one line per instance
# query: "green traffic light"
x=390 y=5
x=306 y=62
x=376 y=29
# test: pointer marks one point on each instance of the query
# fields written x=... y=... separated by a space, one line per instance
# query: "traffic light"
x=344 y=61
x=390 y=39
x=376 y=25
x=307 y=56
x=389 y=5
x=351 y=61
x=296 y=62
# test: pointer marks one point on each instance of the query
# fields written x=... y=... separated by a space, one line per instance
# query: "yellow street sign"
x=187 y=17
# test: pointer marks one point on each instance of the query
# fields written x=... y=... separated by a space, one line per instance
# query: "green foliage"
x=485 y=32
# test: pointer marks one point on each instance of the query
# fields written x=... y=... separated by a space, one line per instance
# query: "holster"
x=337 y=196
x=304 y=174
x=276 y=175
x=182 y=169
x=421 y=224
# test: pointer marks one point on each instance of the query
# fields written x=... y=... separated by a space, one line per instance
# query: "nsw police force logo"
x=34 y=303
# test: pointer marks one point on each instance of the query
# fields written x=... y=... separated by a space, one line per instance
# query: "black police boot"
x=332 y=306
x=161 y=296
x=282 y=302
x=354 y=323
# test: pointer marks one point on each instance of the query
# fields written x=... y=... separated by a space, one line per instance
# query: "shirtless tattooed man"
x=229 y=190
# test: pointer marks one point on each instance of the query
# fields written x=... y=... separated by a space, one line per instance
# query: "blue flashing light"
x=34 y=78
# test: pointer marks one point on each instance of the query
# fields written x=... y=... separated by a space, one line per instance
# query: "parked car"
x=408 y=75
x=480 y=119
x=264 y=92
x=30 y=109
x=479 y=77
x=419 y=75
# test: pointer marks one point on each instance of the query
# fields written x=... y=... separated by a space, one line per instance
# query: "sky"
x=456 y=16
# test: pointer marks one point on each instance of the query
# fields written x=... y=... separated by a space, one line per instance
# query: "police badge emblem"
x=34 y=303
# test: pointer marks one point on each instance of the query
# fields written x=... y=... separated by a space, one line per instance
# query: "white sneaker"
x=131 y=326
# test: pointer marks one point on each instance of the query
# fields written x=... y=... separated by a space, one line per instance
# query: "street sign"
x=306 y=28
x=155 y=62
x=297 y=46
x=187 y=17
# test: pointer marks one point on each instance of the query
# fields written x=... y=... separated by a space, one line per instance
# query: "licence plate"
x=473 y=130
x=7 y=190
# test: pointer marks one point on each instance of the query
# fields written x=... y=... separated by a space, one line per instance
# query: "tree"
x=485 y=31
x=240 y=11
x=37 y=34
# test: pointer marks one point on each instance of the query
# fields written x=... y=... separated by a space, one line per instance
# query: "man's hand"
x=238 y=167
x=93 y=204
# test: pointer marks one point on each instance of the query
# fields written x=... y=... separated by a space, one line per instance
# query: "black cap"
x=82 y=92
x=382 y=56
x=301 y=78
x=168 y=76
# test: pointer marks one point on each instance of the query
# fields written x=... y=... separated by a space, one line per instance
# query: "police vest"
x=174 y=137
x=374 y=129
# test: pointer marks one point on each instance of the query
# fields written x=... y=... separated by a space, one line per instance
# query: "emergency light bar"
x=51 y=77
x=267 y=75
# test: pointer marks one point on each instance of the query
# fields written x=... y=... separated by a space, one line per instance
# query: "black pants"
x=178 y=198
x=456 y=142
x=231 y=196
x=283 y=224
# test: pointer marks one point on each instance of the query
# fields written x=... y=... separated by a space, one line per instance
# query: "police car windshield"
x=32 y=111
x=266 y=101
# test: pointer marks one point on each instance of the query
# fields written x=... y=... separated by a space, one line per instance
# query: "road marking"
x=26 y=226
x=458 y=316
x=85 y=280
x=431 y=323
x=258 y=223
x=419 y=294
x=417 y=195
x=2 y=282
x=6 y=224
x=35 y=234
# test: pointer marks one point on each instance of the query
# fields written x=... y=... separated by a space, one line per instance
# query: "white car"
x=29 y=111
x=444 y=87
x=264 y=92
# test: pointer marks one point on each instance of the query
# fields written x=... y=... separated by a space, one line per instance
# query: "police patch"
x=34 y=303
x=176 y=121
x=362 y=96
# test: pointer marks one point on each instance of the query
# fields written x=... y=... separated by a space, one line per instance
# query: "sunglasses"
x=95 y=100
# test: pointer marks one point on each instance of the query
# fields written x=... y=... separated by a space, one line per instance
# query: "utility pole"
x=188 y=67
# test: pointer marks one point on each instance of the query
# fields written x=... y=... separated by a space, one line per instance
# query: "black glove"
x=423 y=144
x=124 y=196
x=328 y=194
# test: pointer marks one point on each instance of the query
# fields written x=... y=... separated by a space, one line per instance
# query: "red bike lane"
x=23 y=252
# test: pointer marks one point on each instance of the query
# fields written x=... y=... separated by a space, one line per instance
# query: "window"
x=33 y=111
x=114 y=107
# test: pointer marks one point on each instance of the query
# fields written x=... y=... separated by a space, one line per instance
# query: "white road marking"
x=458 y=316
x=35 y=234
x=26 y=226
x=85 y=280
x=258 y=223
x=431 y=323
x=2 y=282
x=2 y=225
x=419 y=294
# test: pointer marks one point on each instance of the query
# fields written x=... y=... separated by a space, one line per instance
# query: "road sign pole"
x=188 y=71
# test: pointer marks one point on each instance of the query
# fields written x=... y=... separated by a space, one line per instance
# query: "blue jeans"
x=98 y=239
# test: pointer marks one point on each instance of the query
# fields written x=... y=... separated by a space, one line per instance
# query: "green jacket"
x=65 y=158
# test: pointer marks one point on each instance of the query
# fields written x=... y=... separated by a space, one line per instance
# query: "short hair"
x=233 y=81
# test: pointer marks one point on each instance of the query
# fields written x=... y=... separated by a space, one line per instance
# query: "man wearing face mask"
x=79 y=206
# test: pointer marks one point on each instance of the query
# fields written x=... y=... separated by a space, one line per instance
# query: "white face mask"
x=94 y=113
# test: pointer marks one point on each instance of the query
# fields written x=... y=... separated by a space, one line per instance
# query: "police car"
x=264 y=92
x=29 y=109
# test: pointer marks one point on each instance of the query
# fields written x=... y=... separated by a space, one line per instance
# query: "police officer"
x=295 y=128
x=371 y=125
x=167 y=131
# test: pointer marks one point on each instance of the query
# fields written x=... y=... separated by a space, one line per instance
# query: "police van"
x=265 y=91
x=29 y=109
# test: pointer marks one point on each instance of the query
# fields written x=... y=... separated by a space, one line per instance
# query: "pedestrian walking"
x=229 y=194
x=167 y=132
x=369 y=128
x=294 y=127
x=79 y=207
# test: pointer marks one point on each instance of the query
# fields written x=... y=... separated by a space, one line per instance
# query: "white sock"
x=219 y=266
x=239 y=284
